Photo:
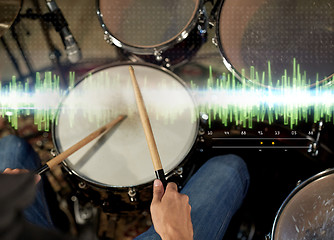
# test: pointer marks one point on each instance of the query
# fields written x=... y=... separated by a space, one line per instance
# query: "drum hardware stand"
x=314 y=147
x=132 y=194
x=54 y=54
x=82 y=214
x=12 y=58
x=19 y=45
x=85 y=217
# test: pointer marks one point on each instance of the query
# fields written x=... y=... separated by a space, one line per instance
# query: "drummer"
x=202 y=210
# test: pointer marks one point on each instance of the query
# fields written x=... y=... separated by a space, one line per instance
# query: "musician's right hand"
x=170 y=212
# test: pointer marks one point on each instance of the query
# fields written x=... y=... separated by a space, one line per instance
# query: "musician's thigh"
x=215 y=193
x=17 y=153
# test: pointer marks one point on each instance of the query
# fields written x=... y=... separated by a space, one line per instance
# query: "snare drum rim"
x=294 y=192
x=100 y=184
x=153 y=49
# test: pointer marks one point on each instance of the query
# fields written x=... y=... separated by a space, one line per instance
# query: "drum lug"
x=132 y=194
x=107 y=38
x=178 y=171
x=82 y=185
x=201 y=131
x=211 y=24
x=204 y=117
x=157 y=55
x=215 y=41
x=298 y=183
x=53 y=152
x=167 y=63
x=268 y=237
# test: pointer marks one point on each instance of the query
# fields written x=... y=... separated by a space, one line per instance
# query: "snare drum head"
x=147 y=23
x=308 y=213
x=121 y=157
x=253 y=32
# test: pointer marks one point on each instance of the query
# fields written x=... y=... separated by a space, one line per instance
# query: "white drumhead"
x=148 y=23
x=121 y=157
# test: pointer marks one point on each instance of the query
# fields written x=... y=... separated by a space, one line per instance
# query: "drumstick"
x=159 y=172
x=61 y=157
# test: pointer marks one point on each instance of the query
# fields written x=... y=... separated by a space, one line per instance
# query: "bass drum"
x=153 y=30
x=116 y=171
x=308 y=212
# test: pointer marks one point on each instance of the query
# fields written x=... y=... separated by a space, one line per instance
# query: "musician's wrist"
x=172 y=234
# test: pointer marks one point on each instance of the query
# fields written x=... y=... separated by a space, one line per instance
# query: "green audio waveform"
x=40 y=99
x=231 y=100
x=292 y=99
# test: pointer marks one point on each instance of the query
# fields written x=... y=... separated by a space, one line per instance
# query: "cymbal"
x=8 y=12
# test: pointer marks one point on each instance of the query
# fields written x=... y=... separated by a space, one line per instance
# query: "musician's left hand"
x=20 y=171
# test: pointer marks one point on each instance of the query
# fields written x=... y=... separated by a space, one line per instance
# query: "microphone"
x=59 y=22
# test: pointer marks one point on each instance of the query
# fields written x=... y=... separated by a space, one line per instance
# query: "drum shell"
x=117 y=199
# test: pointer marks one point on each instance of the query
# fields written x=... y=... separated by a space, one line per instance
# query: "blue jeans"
x=215 y=191
x=17 y=153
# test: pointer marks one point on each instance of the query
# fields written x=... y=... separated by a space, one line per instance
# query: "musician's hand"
x=171 y=212
x=20 y=171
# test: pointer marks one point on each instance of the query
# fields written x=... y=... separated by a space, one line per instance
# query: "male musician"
x=202 y=210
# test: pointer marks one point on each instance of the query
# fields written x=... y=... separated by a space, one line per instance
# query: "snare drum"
x=251 y=33
x=116 y=171
x=308 y=212
x=152 y=27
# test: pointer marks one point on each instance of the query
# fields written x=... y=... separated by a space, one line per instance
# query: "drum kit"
x=158 y=36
